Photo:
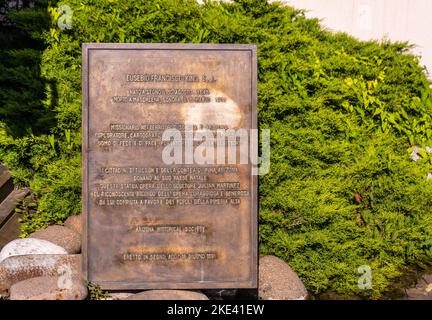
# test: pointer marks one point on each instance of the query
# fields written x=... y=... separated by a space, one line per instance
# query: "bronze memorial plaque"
x=167 y=203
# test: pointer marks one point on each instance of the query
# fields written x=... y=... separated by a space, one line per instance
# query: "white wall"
x=397 y=20
x=402 y=20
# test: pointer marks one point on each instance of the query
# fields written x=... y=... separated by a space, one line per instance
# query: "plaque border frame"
x=252 y=283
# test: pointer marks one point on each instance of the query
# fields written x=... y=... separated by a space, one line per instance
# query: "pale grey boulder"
x=26 y=246
x=18 y=268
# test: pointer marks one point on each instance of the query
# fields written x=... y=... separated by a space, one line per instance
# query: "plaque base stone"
x=231 y=294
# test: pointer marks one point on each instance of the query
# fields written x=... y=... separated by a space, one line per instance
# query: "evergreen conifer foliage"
x=22 y=87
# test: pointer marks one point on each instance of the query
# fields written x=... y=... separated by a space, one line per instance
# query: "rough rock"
x=427 y=278
x=64 y=237
x=231 y=294
x=167 y=295
x=119 y=295
x=74 y=223
x=19 y=268
x=26 y=246
x=277 y=281
x=418 y=294
x=49 y=288
x=423 y=289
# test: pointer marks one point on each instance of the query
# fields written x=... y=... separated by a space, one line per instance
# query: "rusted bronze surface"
x=153 y=225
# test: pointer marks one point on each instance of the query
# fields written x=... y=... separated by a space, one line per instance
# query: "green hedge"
x=342 y=191
x=21 y=85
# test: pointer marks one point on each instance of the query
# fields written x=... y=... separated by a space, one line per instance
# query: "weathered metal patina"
x=149 y=224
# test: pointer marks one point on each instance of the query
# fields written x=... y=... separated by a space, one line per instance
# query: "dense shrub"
x=342 y=191
x=22 y=89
